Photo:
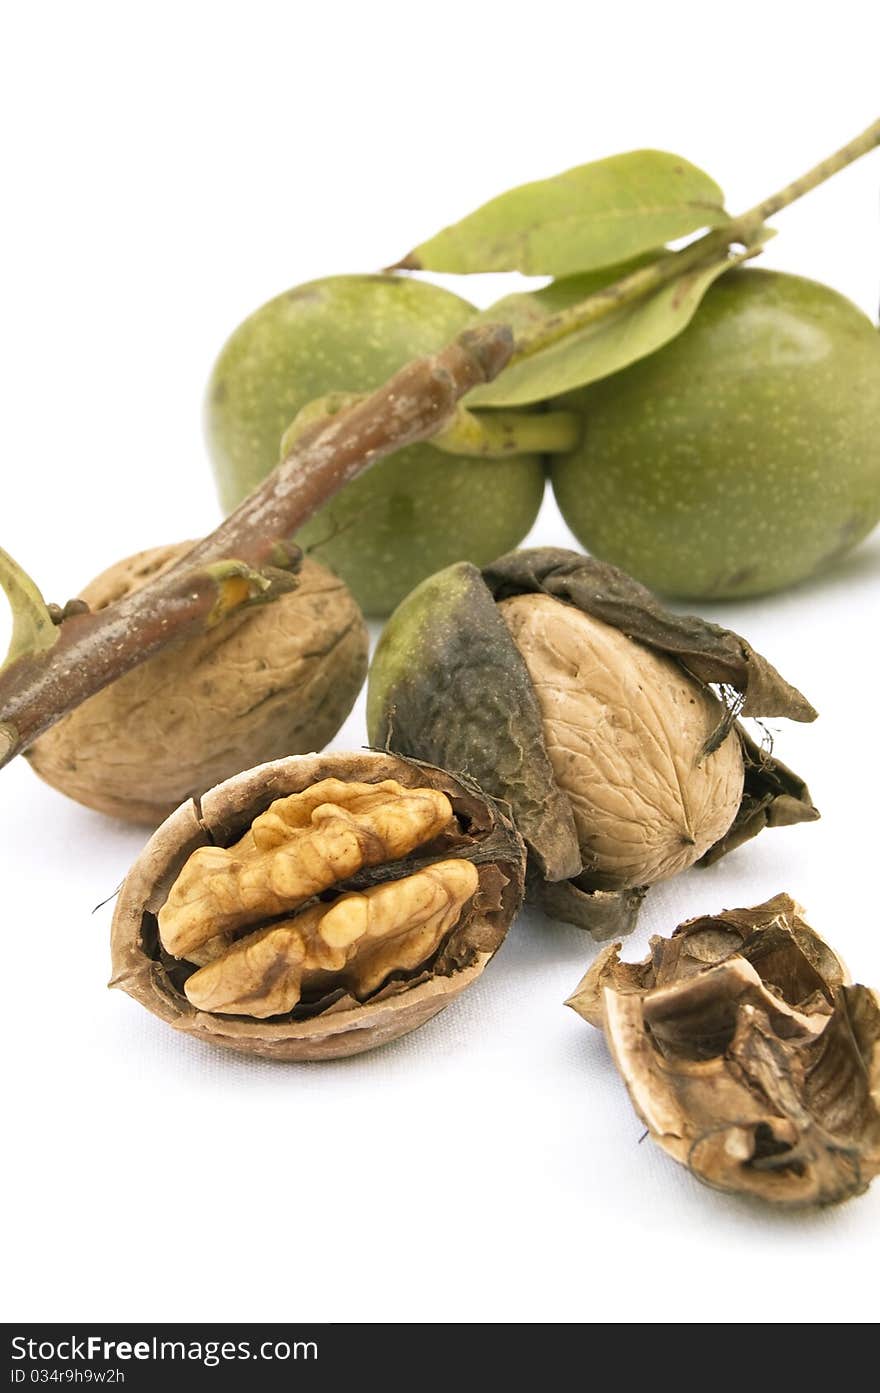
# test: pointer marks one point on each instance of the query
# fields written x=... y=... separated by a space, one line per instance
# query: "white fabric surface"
x=488 y=1167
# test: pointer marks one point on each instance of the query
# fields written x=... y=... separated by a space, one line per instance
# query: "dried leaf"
x=593 y=215
x=603 y=913
x=773 y=796
x=746 y=1054
x=710 y=653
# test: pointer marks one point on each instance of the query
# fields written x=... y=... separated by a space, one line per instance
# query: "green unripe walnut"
x=744 y=455
x=408 y=515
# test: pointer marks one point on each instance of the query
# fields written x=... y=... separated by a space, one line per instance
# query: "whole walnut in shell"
x=606 y=723
x=317 y=906
x=626 y=729
x=272 y=680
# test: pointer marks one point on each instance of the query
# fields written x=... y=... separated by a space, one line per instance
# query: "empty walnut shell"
x=747 y=1055
x=262 y=887
x=607 y=723
x=272 y=680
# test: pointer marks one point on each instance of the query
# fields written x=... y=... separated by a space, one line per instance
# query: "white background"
x=167 y=168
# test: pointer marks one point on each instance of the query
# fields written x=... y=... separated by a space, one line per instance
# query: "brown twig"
x=249 y=558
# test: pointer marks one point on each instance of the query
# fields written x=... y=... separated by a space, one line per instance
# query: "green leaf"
x=33 y=630
x=601 y=348
x=591 y=216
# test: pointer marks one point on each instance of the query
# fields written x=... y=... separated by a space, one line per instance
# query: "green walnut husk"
x=744 y=455
x=411 y=512
x=747 y=1054
x=450 y=685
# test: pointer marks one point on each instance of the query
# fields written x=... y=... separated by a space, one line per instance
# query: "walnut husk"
x=450 y=684
x=747 y=1054
x=269 y=681
x=341 y=1024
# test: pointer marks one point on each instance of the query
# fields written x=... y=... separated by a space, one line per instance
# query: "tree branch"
x=253 y=543
x=250 y=558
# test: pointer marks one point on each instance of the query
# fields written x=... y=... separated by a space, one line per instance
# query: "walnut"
x=747 y=1055
x=358 y=942
x=269 y=681
x=626 y=730
x=318 y=905
x=302 y=845
x=607 y=723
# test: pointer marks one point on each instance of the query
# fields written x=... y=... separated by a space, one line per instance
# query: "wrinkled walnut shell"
x=269 y=681
x=626 y=744
x=141 y=968
x=747 y=1054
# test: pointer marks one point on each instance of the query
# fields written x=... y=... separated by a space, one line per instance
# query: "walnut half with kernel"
x=317 y=906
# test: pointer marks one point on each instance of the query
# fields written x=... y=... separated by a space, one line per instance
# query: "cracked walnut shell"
x=747 y=1054
x=317 y=906
x=271 y=680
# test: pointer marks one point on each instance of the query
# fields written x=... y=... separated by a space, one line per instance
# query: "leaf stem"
x=847 y=154
x=484 y=434
x=499 y=434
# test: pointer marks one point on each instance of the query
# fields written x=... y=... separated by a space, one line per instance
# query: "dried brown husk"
x=448 y=684
x=269 y=681
x=338 y=1024
x=747 y=1054
x=709 y=652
